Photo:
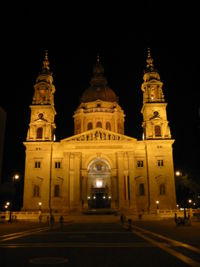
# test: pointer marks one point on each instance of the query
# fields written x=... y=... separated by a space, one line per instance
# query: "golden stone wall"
x=122 y=157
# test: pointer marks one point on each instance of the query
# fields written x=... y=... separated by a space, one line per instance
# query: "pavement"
x=100 y=241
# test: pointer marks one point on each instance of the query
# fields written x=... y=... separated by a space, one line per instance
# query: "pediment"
x=98 y=134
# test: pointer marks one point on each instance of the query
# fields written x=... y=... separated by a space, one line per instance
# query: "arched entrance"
x=99 y=184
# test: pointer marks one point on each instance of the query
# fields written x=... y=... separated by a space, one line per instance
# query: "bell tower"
x=42 y=125
x=155 y=123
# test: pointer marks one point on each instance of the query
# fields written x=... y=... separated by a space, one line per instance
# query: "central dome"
x=101 y=93
x=98 y=89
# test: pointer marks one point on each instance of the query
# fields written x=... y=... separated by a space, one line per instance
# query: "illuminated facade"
x=99 y=166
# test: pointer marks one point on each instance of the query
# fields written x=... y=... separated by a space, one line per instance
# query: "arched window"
x=141 y=189
x=99 y=124
x=57 y=190
x=108 y=126
x=89 y=126
x=162 y=189
x=78 y=127
x=39 y=133
x=36 y=191
x=157 y=130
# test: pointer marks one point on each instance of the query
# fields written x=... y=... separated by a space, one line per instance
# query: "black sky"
x=121 y=34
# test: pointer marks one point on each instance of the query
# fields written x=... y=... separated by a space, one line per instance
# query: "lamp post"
x=157 y=206
x=40 y=211
x=40 y=205
x=190 y=205
x=15 y=181
x=180 y=193
x=8 y=206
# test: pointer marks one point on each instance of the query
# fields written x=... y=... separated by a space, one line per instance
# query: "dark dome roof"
x=98 y=87
x=101 y=93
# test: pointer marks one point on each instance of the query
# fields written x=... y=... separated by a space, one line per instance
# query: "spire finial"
x=149 y=60
x=98 y=58
x=46 y=61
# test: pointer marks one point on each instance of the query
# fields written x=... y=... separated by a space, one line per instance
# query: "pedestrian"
x=61 y=220
x=52 y=221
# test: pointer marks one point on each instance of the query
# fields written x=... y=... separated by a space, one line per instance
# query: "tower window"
x=37 y=164
x=108 y=126
x=39 y=133
x=162 y=189
x=56 y=190
x=36 y=191
x=89 y=127
x=140 y=163
x=99 y=124
x=157 y=130
x=119 y=127
x=57 y=164
x=160 y=162
x=141 y=189
x=78 y=127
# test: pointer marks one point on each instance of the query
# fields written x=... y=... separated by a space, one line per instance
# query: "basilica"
x=99 y=167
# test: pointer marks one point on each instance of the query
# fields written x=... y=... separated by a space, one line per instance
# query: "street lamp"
x=178 y=173
x=16 y=177
x=8 y=206
x=40 y=211
x=40 y=205
x=157 y=205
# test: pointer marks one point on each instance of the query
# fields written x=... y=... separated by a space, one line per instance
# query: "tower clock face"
x=40 y=115
x=156 y=113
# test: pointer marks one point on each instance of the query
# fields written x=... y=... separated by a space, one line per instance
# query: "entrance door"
x=99 y=185
x=99 y=199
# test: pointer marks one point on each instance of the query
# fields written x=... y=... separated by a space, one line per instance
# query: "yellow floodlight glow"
x=16 y=176
x=178 y=173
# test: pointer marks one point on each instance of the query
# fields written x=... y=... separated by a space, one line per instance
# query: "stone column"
x=75 y=201
x=114 y=200
x=120 y=166
x=66 y=176
x=84 y=190
x=132 y=182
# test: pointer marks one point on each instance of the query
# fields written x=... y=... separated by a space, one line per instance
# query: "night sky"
x=74 y=35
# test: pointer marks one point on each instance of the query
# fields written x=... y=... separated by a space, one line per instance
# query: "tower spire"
x=98 y=59
x=46 y=61
x=155 y=122
x=98 y=78
x=42 y=124
x=150 y=65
